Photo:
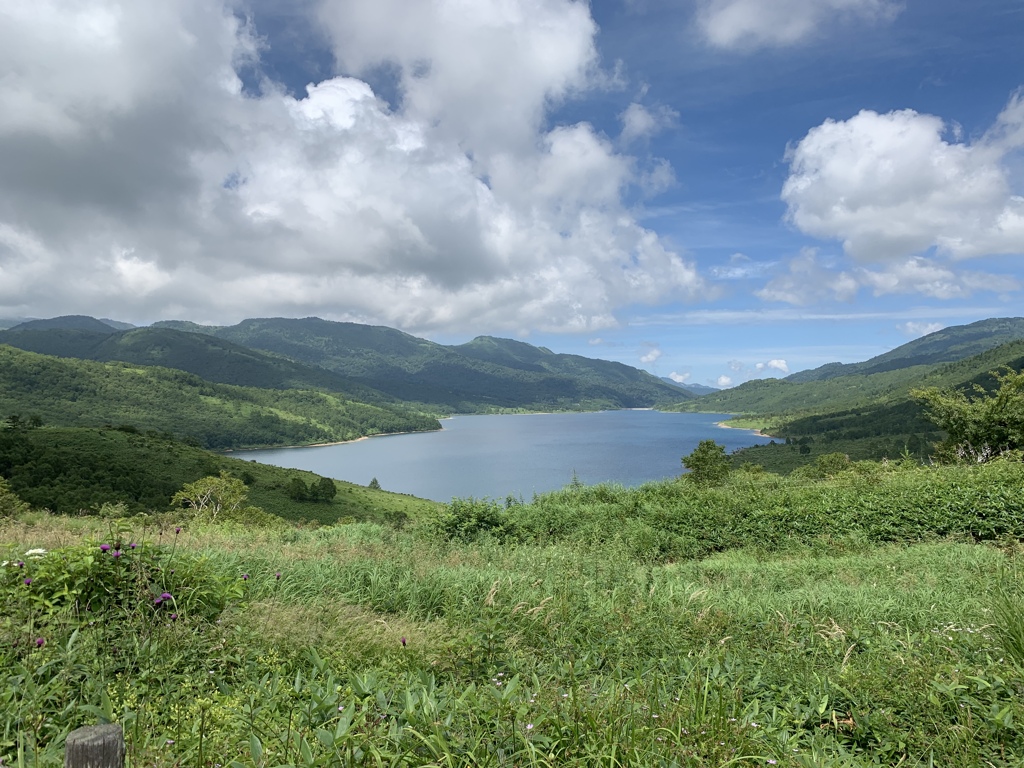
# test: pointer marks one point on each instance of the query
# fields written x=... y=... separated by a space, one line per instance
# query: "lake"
x=494 y=456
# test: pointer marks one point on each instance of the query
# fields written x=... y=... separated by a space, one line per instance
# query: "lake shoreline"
x=757 y=432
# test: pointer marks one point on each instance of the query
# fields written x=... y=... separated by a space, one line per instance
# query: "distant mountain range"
x=696 y=389
x=374 y=365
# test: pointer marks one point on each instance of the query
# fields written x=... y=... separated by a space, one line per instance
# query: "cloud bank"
x=138 y=178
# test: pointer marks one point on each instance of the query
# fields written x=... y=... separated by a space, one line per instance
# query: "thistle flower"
x=40 y=642
x=104 y=547
x=174 y=616
x=277 y=575
x=166 y=596
x=133 y=545
x=178 y=529
x=27 y=582
x=116 y=553
x=403 y=642
x=245 y=577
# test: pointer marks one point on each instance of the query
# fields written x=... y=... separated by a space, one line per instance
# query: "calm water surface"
x=494 y=456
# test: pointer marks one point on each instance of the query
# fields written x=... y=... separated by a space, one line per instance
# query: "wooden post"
x=95 y=746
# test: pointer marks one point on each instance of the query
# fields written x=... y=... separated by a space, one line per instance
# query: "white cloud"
x=777 y=365
x=638 y=122
x=650 y=356
x=915 y=329
x=679 y=378
x=752 y=24
x=140 y=180
x=809 y=282
x=891 y=186
x=741 y=267
x=724 y=381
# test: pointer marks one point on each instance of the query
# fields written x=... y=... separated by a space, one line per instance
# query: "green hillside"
x=486 y=374
x=70 y=392
x=948 y=345
x=68 y=470
x=206 y=356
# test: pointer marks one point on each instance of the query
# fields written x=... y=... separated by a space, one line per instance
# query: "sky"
x=711 y=190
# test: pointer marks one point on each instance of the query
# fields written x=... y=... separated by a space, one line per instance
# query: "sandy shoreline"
x=757 y=432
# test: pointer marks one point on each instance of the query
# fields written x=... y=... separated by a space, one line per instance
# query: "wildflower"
x=133 y=545
x=166 y=596
x=178 y=529
x=277 y=575
x=104 y=547
x=403 y=642
x=245 y=577
x=170 y=742
x=158 y=601
x=529 y=726
x=174 y=617
x=40 y=642
x=20 y=563
x=35 y=553
x=27 y=582
x=116 y=553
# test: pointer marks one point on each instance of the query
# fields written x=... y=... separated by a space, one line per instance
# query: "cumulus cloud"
x=724 y=381
x=915 y=329
x=777 y=365
x=679 y=378
x=140 y=180
x=809 y=282
x=895 y=185
x=651 y=355
x=752 y=24
x=639 y=122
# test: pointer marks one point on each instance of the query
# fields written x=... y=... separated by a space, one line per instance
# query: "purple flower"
x=174 y=616
x=104 y=547
x=133 y=545
x=40 y=642
x=245 y=577
x=403 y=642
x=20 y=563
x=277 y=575
x=27 y=582
x=178 y=529
x=158 y=601
x=166 y=596
x=116 y=553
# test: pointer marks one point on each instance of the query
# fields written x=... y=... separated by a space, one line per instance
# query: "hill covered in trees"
x=69 y=392
x=484 y=375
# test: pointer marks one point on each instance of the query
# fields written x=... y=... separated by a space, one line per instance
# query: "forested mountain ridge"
x=71 y=392
x=484 y=374
x=944 y=346
x=208 y=357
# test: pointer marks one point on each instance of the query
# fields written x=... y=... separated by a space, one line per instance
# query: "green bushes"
x=894 y=502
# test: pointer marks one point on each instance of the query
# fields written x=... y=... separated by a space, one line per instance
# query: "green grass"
x=487 y=644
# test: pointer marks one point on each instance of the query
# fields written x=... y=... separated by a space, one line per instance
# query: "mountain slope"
x=206 y=356
x=484 y=374
x=947 y=345
x=70 y=392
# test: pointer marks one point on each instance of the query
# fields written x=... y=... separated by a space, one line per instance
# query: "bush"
x=708 y=464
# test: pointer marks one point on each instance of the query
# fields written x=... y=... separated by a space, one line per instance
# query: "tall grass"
x=549 y=642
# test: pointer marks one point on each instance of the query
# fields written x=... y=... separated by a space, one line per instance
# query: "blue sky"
x=716 y=190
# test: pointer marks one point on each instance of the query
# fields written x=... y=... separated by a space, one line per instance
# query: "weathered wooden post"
x=95 y=746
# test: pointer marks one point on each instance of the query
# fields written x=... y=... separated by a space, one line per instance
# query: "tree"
x=374 y=484
x=297 y=490
x=979 y=427
x=10 y=504
x=324 y=490
x=708 y=464
x=213 y=496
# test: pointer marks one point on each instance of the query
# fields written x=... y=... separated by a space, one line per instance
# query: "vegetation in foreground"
x=856 y=615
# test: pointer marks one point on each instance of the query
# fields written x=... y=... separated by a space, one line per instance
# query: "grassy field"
x=774 y=621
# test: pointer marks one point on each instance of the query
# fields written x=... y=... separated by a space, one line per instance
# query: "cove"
x=518 y=455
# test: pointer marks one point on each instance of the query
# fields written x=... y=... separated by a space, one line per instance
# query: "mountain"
x=65 y=322
x=696 y=389
x=948 y=345
x=71 y=392
x=208 y=357
x=485 y=374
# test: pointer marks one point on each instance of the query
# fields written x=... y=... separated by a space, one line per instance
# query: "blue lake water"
x=494 y=456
